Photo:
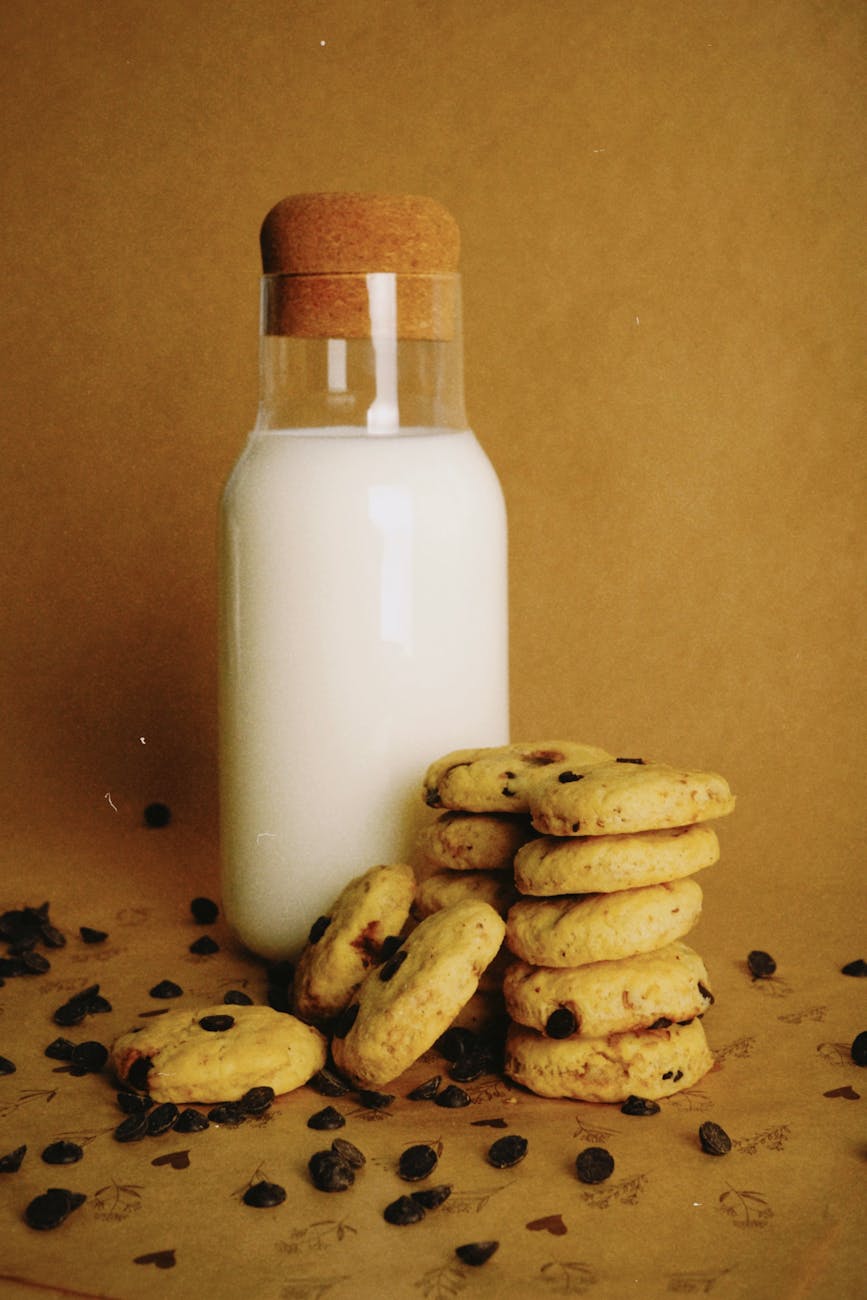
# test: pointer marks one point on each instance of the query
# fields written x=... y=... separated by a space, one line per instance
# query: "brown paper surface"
x=662 y=217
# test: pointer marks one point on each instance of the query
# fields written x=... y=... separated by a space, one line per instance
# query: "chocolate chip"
x=162 y=1118
x=52 y=1208
x=60 y=1049
x=191 y=1120
x=11 y=1162
x=318 y=928
x=705 y=993
x=86 y=1003
x=328 y=1084
x=139 y=1072
x=561 y=1023
x=166 y=989
x=858 y=1049
x=157 y=815
x=264 y=1195
x=639 y=761
x=62 y=1153
x=349 y=1152
x=7 y=1066
x=456 y=1042
x=431 y=1198
x=662 y=1023
x=858 y=968
x=227 y=1113
x=235 y=998
x=507 y=1151
x=256 y=1101
x=389 y=946
x=416 y=1162
x=89 y=1057
x=507 y=793
x=476 y=1253
x=594 y=1165
x=452 y=1098
x=204 y=911
x=761 y=964
x=566 y=778
x=33 y=963
x=132 y=1128
x=393 y=965
x=403 y=1211
x=714 y=1140
x=329 y=1118
x=426 y=1091
x=373 y=1100
x=133 y=1103
x=330 y=1172
x=89 y=935
x=345 y=1020
x=216 y=1024
x=205 y=946
x=639 y=1106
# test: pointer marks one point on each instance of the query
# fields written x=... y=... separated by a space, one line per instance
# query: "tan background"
x=662 y=207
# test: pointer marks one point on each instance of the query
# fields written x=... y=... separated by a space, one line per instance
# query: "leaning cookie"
x=446 y=887
x=649 y=1063
x=342 y=947
x=459 y=841
x=575 y=930
x=667 y=985
x=404 y=1005
x=627 y=795
x=500 y=778
x=589 y=864
x=218 y=1053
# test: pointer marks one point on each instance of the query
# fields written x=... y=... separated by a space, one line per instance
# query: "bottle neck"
x=380 y=352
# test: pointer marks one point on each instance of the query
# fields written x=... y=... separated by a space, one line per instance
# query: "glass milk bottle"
x=363 y=562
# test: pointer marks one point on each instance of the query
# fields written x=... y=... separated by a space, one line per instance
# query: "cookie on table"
x=217 y=1053
x=581 y=928
x=403 y=1006
x=625 y=796
x=342 y=947
x=668 y=985
x=586 y=864
x=650 y=1063
x=459 y=841
x=500 y=778
x=447 y=887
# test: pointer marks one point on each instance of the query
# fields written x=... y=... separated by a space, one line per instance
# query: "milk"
x=364 y=633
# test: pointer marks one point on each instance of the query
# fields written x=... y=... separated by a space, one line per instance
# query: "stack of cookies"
x=605 y=999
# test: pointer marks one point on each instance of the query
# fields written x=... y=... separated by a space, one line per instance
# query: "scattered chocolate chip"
x=372 y=1100
x=191 y=1120
x=89 y=935
x=7 y=1066
x=133 y=1103
x=594 y=1165
x=235 y=998
x=858 y=1049
x=426 y=1091
x=62 y=1153
x=52 y=1208
x=88 y=1057
x=566 y=778
x=561 y=1023
x=393 y=965
x=205 y=946
x=139 y=1072
x=329 y=1118
x=330 y=1172
x=256 y=1101
x=345 y=1020
x=403 y=1211
x=858 y=968
x=456 y=1042
x=639 y=1106
x=132 y=1128
x=328 y=1084
x=157 y=815
x=33 y=963
x=416 y=1162
x=761 y=964
x=431 y=1198
x=639 y=761
x=86 y=1003
x=11 y=1162
x=228 y=1113
x=349 y=1152
x=60 y=1049
x=476 y=1253
x=216 y=1024
x=318 y=928
x=166 y=989
x=204 y=911
x=162 y=1118
x=264 y=1195
x=714 y=1140
x=507 y=1151
x=452 y=1098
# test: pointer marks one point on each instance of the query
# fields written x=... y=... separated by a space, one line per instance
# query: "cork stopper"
x=324 y=246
